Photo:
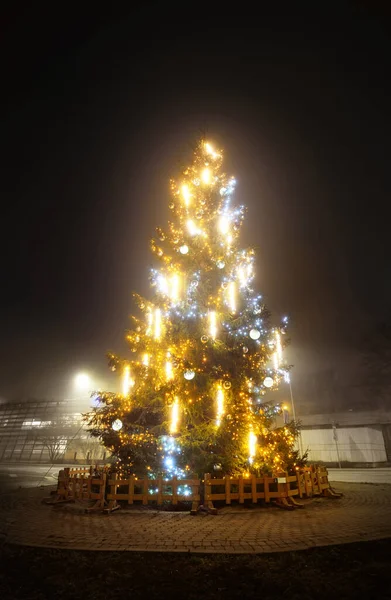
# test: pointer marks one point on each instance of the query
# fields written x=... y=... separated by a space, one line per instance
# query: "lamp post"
x=82 y=382
x=288 y=380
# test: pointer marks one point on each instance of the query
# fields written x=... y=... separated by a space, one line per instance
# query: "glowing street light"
x=83 y=382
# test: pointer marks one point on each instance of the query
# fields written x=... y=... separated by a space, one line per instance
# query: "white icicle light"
x=232 y=296
x=220 y=405
x=212 y=324
x=252 y=445
x=174 y=417
x=174 y=287
x=127 y=381
x=206 y=176
x=278 y=348
x=158 y=324
x=186 y=194
x=169 y=372
x=224 y=224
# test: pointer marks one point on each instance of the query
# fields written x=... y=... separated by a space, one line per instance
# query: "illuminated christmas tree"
x=205 y=355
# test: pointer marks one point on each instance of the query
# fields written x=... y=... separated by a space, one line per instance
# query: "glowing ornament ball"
x=254 y=334
x=227 y=385
x=184 y=249
x=189 y=374
x=204 y=339
x=117 y=425
x=268 y=382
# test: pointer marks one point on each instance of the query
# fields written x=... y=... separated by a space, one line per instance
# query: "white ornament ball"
x=184 y=249
x=220 y=264
x=254 y=334
x=117 y=425
x=268 y=382
x=189 y=375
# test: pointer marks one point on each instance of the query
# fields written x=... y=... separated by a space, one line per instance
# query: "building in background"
x=46 y=431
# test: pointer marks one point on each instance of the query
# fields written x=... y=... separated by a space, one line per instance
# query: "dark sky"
x=99 y=110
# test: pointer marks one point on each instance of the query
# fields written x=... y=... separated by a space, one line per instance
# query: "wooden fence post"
x=254 y=489
x=131 y=490
x=174 y=490
x=227 y=489
x=145 y=491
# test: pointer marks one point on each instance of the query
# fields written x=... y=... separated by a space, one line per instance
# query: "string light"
x=186 y=194
x=146 y=359
x=192 y=227
x=175 y=287
x=209 y=150
x=252 y=446
x=242 y=277
x=206 y=176
x=212 y=324
x=169 y=372
x=232 y=296
x=220 y=405
x=158 y=317
x=127 y=381
x=224 y=224
x=162 y=284
x=149 y=322
x=278 y=347
x=174 y=417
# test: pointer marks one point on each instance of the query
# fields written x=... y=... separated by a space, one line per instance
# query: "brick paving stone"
x=364 y=513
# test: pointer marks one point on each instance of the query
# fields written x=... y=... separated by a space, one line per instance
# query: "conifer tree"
x=203 y=354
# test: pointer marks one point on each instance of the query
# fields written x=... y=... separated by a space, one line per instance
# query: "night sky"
x=98 y=112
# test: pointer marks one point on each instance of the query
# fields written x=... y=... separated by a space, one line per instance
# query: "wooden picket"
x=152 y=490
x=250 y=488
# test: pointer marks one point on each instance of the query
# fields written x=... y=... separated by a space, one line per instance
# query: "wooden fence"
x=107 y=490
x=280 y=490
x=154 y=490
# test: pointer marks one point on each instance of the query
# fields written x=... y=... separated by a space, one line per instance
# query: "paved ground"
x=16 y=475
x=364 y=513
x=377 y=475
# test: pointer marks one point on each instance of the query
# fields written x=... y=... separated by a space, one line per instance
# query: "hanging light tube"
x=220 y=405
x=174 y=417
x=212 y=324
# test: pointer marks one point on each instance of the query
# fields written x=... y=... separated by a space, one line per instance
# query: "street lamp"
x=83 y=382
x=288 y=381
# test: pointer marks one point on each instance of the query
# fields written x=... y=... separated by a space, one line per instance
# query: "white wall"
x=355 y=444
